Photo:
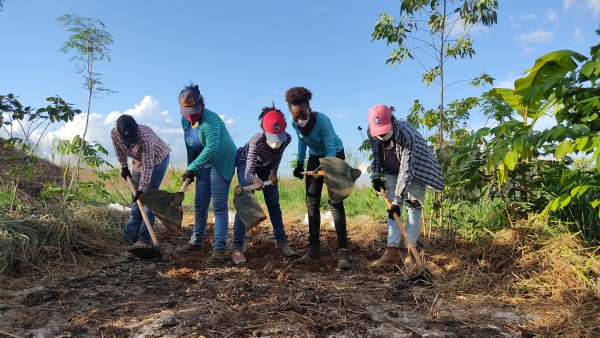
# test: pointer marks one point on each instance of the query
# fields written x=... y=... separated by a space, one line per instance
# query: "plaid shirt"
x=147 y=152
x=414 y=155
x=258 y=154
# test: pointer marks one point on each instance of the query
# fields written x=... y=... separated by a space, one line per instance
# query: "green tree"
x=90 y=43
x=563 y=84
x=26 y=127
x=427 y=29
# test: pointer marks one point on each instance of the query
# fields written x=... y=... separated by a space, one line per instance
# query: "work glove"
x=394 y=209
x=137 y=195
x=378 y=184
x=188 y=174
x=298 y=171
x=125 y=173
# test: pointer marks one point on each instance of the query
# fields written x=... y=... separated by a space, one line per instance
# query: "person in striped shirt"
x=401 y=153
x=211 y=163
x=258 y=161
x=150 y=156
x=315 y=133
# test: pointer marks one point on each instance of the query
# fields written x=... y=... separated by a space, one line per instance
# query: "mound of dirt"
x=269 y=296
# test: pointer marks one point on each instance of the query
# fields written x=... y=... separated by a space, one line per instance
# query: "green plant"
x=90 y=42
x=21 y=123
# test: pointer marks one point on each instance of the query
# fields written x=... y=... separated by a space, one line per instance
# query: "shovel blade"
x=146 y=253
x=247 y=207
x=166 y=206
x=339 y=177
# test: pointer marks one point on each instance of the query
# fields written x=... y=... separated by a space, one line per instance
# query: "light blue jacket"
x=321 y=142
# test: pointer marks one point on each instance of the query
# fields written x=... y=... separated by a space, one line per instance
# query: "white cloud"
x=552 y=16
x=147 y=112
x=594 y=5
x=584 y=6
x=527 y=17
x=508 y=82
x=534 y=37
x=567 y=4
x=578 y=34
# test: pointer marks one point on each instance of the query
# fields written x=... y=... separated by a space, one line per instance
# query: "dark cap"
x=127 y=129
x=190 y=101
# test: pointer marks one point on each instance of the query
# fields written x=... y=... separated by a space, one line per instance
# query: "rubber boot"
x=344 y=260
x=314 y=252
x=285 y=249
x=391 y=255
x=238 y=256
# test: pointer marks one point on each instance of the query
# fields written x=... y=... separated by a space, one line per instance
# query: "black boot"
x=344 y=260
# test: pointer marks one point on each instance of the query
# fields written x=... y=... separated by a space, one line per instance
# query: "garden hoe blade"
x=339 y=177
x=247 y=207
x=167 y=206
x=145 y=253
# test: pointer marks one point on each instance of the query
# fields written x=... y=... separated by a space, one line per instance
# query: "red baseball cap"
x=273 y=123
x=380 y=120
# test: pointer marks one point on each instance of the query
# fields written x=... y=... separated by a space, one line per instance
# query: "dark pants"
x=314 y=186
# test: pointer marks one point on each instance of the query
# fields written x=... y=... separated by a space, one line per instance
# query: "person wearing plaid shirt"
x=150 y=156
x=401 y=153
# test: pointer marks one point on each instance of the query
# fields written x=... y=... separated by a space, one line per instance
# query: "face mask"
x=274 y=145
x=386 y=137
x=302 y=123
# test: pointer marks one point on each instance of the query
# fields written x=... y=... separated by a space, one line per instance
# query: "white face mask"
x=387 y=136
x=274 y=145
x=302 y=123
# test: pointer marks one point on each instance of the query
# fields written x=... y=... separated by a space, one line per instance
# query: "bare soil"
x=269 y=296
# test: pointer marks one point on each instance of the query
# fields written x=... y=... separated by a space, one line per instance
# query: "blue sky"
x=246 y=54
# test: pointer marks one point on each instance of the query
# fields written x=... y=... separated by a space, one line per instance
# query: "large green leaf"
x=565 y=147
x=510 y=159
x=558 y=62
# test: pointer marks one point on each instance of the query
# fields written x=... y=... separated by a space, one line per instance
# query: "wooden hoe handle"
x=409 y=242
x=143 y=212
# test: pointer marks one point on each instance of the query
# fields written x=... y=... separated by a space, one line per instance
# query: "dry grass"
x=552 y=279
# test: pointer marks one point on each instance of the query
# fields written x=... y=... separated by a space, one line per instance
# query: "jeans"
x=314 y=186
x=271 y=195
x=135 y=227
x=211 y=185
x=415 y=191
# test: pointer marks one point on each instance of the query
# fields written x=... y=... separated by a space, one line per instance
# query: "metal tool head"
x=247 y=207
x=339 y=177
x=146 y=253
x=166 y=206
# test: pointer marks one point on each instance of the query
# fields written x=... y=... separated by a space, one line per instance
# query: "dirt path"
x=187 y=296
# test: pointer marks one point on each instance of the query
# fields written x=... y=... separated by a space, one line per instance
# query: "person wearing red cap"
x=211 y=163
x=315 y=133
x=150 y=161
x=258 y=161
x=401 y=153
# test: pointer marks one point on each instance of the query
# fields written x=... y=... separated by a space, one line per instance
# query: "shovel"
x=338 y=175
x=167 y=206
x=246 y=205
x=147 y=253
x=425 y=275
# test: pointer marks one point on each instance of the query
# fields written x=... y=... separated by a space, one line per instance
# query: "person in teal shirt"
x=315 y=133
x=211 y=162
